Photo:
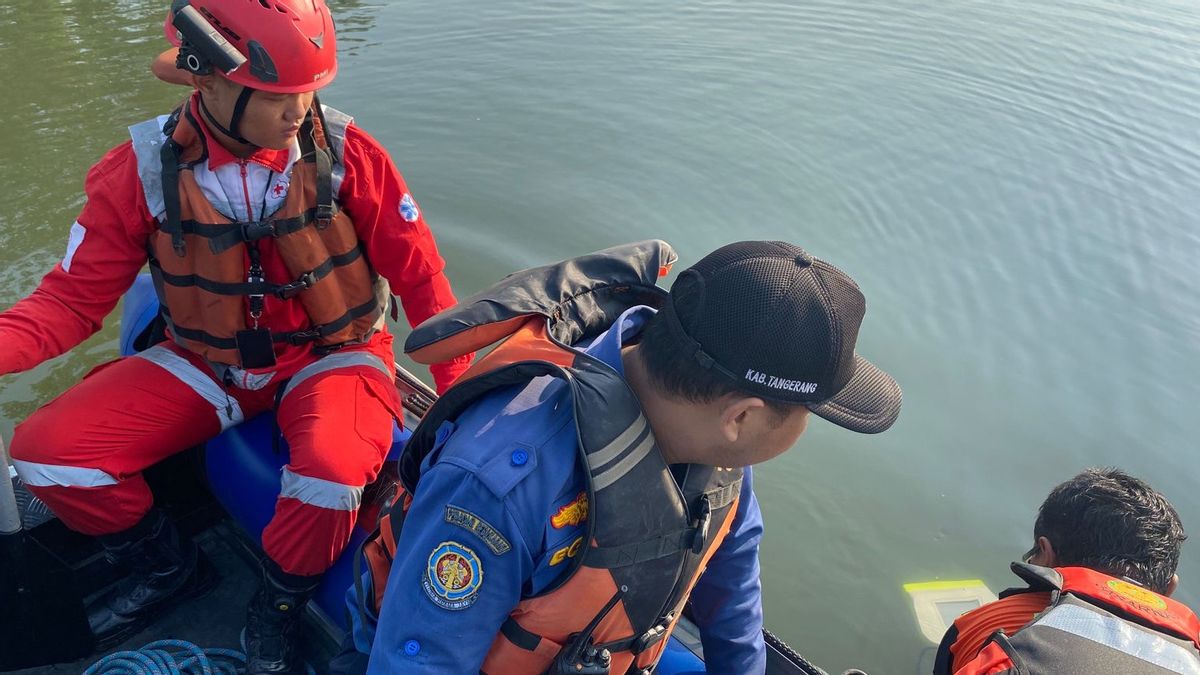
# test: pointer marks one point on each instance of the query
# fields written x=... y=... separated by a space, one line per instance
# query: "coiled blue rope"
x=170 y=657
x=174 y=657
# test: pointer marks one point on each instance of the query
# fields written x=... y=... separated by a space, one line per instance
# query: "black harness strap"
x=282 y=291
x=223 y=236
x=326 y=329
x=325 y=207
x=318 y=109
x=169 y=157
x=196 y=335
x=300 y=337
x=324 y=163
x=721 y=497
x=519 y=636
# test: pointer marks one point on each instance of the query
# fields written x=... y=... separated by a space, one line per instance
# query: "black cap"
x=782 y=325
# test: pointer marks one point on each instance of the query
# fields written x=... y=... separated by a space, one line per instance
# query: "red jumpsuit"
x=83 y=452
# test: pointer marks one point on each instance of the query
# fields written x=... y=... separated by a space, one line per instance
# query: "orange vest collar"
x=1157 y=610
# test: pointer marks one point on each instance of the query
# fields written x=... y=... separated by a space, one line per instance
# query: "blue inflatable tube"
x=243 y=469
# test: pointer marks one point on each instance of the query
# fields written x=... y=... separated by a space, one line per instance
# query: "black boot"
x=272 y=620
x=165 y=567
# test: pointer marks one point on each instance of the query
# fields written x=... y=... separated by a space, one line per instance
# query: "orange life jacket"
x=1095 y=625
x=645 y=574
x=205 y=265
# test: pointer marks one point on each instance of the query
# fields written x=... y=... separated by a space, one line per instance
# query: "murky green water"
x=1012 y=183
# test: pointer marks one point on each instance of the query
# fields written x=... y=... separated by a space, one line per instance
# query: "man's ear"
x=735 y=411
x=1172 y=585
x=1046 y=554
x=207 y=84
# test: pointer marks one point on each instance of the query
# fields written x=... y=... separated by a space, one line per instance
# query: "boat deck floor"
x=212 y=620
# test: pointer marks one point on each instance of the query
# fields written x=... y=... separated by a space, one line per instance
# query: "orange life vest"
x=1095 y=625
x=630 y=581
x=205 y=265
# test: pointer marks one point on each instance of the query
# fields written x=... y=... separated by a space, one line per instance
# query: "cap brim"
x=868 y=404
x=164 y=68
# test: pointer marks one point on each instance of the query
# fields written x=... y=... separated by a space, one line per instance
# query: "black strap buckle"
x=303 y=337
x=701 y=535
x=257 y=229
x=324 y=215
x=287 y=291
x=649 y=638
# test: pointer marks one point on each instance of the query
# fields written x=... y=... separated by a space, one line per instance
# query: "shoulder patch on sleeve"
x=479 y=527
x=504 y=471
x=73 y=241
x=408 y=209
x=453 y=576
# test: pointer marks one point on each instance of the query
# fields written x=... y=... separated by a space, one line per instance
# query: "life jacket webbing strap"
x=326 y=329
x=519 y=636
x=723 y=496
x=325 y=207
x=330 y=139
x=282 y=291
x=297 y=338
x=169 y=156
x=223 y=236
x=311 y=152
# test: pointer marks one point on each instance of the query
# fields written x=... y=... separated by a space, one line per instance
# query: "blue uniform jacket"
x=495 y=519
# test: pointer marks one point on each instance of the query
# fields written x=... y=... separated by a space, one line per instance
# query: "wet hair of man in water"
x=1111 y=522
x=677 y=373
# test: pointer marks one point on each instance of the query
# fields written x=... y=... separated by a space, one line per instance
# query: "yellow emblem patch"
x=573 y=513
x=566 y=552
x=1137 y=594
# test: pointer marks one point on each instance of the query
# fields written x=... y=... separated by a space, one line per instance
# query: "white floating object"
x=938 y=603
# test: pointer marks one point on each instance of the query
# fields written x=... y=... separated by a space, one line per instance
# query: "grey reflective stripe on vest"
x=147 y=148
x=334 y=362
x=631 y=447
x=335 y=136
x=1117 y=634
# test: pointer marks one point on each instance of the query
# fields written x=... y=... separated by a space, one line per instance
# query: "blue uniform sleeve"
x=459 y=569
x=727 y=600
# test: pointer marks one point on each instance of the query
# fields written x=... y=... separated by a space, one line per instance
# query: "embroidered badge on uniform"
x=480 y=527
x=408 y=209
x=573 y=513
x=280 y=188
x=569 y=551
x=453 y=577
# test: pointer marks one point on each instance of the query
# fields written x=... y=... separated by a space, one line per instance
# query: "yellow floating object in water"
x=938 y=603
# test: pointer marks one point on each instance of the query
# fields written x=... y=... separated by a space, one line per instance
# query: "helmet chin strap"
x=239 y=108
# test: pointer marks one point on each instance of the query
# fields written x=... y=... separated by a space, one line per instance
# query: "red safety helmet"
x=280 y=46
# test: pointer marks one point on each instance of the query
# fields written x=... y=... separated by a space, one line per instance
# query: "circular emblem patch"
x=1137 y=594
x=453 y=576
